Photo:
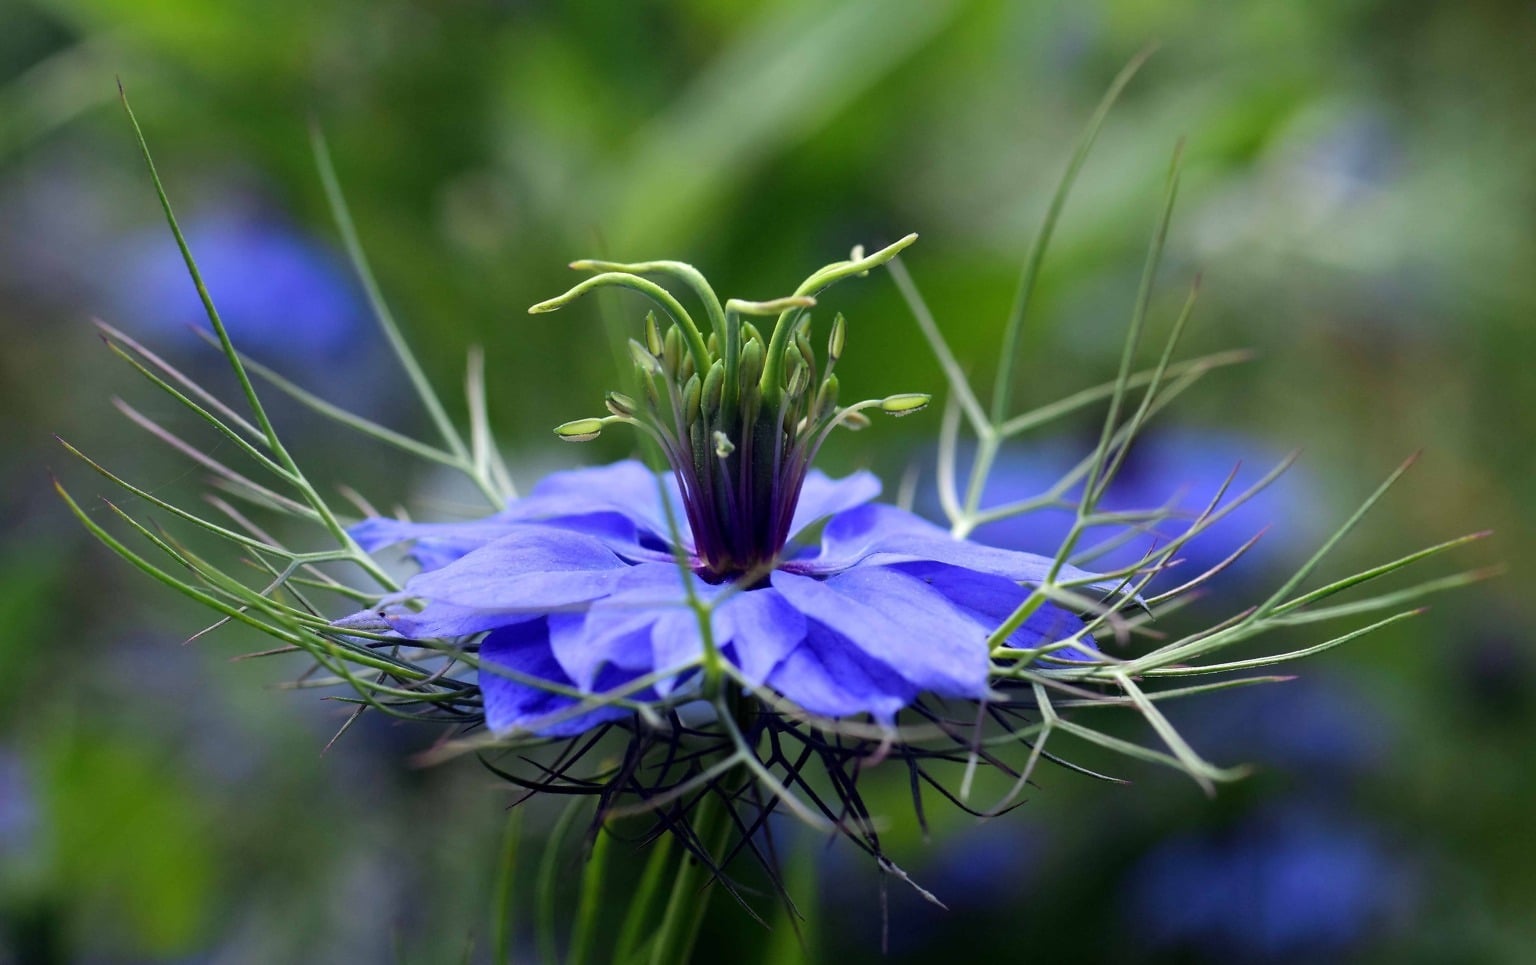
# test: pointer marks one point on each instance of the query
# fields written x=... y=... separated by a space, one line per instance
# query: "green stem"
x=591 y=899
x=1030 y=274
x=279 y=451
x=772 y=379
x=792 y=940
x=549 y=866
x=501 y=925
x=680 y=923
x=342 y=214
x=663 y=299
x=640 y=902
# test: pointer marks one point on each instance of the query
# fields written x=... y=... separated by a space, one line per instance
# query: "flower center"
x=746 y=441
x=738 y=417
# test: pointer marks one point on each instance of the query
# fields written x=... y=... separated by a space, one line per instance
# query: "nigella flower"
x=1324 y=726
x=19 y=818
x=584 y=587
x=745 y=610
x=280 y=291
x=1178 y=469
x=1293 y=883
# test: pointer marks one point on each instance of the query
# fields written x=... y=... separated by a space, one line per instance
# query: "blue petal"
x=439 y=620
x=992 y=599
x=646 y=625
x=620 y=534
x=676 y=641
x=619 y=504
x=822 y=496
x=584 y=655
x=627 y=489
x=899 y=620
x=829 y=674
x=882 y=535
x=436 y=544
x=524 y=649
x=536 y=570
x=763 y=628
x=643 y=625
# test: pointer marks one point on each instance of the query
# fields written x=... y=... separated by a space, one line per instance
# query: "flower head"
x=579 y=585
x=596 y=582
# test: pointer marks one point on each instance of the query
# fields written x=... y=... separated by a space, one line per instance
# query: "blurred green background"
x=1358 y=198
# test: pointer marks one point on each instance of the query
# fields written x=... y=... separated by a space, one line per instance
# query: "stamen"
x=741 y=418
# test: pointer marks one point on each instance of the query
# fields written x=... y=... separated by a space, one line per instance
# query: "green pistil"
x=738 y=418
x=813 y=286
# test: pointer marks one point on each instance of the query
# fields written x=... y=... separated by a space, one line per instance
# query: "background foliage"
x=1357 y=198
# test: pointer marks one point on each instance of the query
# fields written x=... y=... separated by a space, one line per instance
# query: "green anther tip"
x=714 y=388
x=803 y=343
x=644 y=360
x=826 y=396
x=580 y=430
x=905 y=403
x=799 y=375
x=672 y=351
x=752 y=361
x=652 y=334
x=620 y=404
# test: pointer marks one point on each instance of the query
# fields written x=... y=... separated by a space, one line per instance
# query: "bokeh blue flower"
x=19 y=816
x=281 y=293
x=1321 y=725
x=1289 y=884
x=1178 y=468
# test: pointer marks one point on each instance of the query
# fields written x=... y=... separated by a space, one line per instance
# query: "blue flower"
x=1290 y=884
x=580 y=585
x=1322 y=726
x=642 y=587
x=277 y=290
x=1179 y=468
x=19 y=816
